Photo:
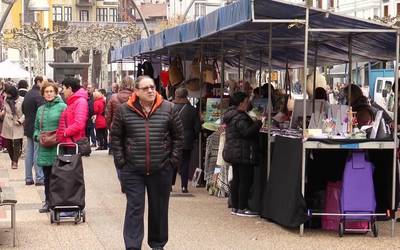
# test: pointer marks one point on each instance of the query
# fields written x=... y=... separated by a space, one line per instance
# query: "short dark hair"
x=12 y=91
x=38 y=79
x=237 y=98
x=320 y=94
x=74 y=83
x=181 y=92
x=103 y=92
x=22 y=84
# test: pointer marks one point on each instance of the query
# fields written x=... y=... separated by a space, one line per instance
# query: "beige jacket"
x=13 y=127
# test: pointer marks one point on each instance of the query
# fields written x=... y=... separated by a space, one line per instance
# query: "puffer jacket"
x=115 y=101
x=99 y=107
x=241 y=137
x=145 y=144
x=51 y=112
x=72 y=125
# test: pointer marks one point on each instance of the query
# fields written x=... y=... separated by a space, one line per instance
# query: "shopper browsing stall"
x=240 y=150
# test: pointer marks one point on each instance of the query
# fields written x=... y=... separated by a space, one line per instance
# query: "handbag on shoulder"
x=47 y=139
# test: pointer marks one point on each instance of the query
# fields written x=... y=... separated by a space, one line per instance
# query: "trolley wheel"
x=375 y=229
x=57 y=217
x=51 y=217
x=341 y=229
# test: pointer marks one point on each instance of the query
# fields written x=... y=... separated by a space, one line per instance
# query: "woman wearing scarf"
x=13 y=129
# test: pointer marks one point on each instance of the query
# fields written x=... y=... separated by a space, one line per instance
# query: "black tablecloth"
x=283 y=202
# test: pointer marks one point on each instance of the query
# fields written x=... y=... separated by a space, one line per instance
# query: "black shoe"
x=39 y=183
x=185 y=190
x=28 y=183
x=157 y=248
x=44 y=209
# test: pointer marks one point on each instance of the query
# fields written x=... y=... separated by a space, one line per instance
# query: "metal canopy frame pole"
x=354 y=30
x=396 y=117
x=201 y=103
x=259 y=78
x=222 y=74
x=315 y=75
x=303 y=161
x=269 y=104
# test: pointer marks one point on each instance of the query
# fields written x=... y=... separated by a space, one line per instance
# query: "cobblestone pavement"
x=198 y=221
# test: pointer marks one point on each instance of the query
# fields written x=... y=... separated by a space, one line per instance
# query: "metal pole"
x=396 y=94
x=5 y=14
x=244 y=64
x=354 y=30
x=200 y=102
x=269 y=104
x=303 y=162
x=141 y=17
x=259 y=78
x=315 y=75
x=350 y=69
x=239 y=71
x=222 y=73
x=159 y=76
x=349 y=76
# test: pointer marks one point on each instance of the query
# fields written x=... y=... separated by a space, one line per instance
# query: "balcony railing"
x=85 y=3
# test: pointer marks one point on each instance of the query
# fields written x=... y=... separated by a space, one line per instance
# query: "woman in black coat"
x=240 y=150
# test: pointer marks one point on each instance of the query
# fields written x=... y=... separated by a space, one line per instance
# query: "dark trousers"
x=47 y=173
x=102 y=137
x=158 y=188
x=184 y=169
x=90 y=133
x=240 y=185
x=14 y=148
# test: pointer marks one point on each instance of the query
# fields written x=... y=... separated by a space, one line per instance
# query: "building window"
x=199 y=10
x=386 y=10
x=101 y=15
x=67 y=14
x=398 y=9
x=113 y=14
x=320 y=4
x=57 y=13
x=331 y=3
x=84 y=16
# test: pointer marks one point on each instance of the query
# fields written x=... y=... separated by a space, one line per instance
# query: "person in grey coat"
x=191 y=128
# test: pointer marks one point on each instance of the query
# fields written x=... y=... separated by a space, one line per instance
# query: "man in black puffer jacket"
x=147 y=138
x=240 y=150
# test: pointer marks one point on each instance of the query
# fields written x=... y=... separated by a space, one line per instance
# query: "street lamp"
x=39 y=6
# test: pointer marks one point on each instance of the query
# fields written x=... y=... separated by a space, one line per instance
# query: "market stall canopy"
x=12 y=70
x=241 y=29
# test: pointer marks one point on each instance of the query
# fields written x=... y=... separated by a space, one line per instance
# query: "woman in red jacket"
x=99 y=108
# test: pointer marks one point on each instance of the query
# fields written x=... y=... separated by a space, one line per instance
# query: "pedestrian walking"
x=72 y=124
x=240 y=150
x=146 y=137
x=13 y=129
x=22 y=88
x=90 y=124
x=47 y=119
x=32 y=101
x=191 y=128
x=99 y=108
x=115 y=101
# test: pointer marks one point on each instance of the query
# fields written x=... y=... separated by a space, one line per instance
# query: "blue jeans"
x=31 y=152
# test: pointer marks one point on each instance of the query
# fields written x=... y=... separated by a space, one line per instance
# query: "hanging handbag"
x=210 y=73
x=47 y=139
x=83 y=143
x=175 y=71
